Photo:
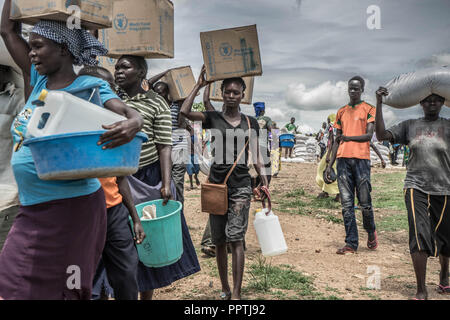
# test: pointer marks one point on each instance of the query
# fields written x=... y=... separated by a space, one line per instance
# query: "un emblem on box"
x=120 y=22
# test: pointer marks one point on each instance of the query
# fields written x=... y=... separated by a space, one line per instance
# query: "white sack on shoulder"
x=407 y=90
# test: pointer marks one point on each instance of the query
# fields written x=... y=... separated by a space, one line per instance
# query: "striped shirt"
x=179 y=135
x=157 y=122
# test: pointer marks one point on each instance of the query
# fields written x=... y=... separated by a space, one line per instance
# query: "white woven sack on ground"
x=301 y=137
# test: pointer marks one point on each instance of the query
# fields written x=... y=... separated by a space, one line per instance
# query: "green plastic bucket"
x=163 y=244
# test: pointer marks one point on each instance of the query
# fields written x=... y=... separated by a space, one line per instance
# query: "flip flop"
x=372 y=245
x=345 y=250
x=443 y=289
x=210 y=252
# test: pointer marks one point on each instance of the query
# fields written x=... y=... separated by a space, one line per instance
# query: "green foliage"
x=265 y=277
x=199 y=106
x=296 y=193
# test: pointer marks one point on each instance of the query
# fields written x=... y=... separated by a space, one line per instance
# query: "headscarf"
x=259 y=106
x=83 y=45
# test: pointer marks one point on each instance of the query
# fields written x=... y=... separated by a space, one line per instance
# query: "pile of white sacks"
x=374 y=159
x=306 y=149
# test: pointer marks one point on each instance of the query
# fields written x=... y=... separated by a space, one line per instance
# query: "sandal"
x=322 y=195
x=345 y=250
x=209 y=251
x=225 y=296
x=372 y=245
x=443 y=289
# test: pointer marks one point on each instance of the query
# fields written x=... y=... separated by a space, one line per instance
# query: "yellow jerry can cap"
x=43 y=95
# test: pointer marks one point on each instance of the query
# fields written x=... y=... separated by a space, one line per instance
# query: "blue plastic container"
x=287 y=140
x=163 y=244
x=73 y=156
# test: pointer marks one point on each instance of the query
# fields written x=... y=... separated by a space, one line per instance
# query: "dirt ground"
x=312 y=243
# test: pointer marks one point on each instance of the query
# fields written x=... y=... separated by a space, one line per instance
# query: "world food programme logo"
x=120 y=22
x=225 y=49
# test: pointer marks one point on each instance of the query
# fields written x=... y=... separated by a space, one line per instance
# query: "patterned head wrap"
x=83 y=45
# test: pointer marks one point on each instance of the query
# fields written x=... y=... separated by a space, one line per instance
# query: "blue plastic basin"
x=73 y=156
x=163 y=244
x=287 y=140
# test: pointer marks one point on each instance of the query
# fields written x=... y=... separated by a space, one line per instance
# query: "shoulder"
x=90 y=80
x=446 y=121
x=212 y=114
x=253 y=121
x=368 y=107
x=404 y=124
x=341 y=110
x=155 y=101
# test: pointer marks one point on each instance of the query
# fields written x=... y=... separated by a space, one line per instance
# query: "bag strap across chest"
x=240 y=154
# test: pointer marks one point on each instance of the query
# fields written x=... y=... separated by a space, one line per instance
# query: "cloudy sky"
x=310 y=48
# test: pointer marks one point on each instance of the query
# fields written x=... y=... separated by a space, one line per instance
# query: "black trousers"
x=119 y=257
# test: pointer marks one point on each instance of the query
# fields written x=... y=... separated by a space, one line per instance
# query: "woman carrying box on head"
x=427 y=185
x=232 y=226
x=57 y=238
x=155 y=166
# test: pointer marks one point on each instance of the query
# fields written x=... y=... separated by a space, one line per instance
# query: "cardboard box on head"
x=181 y=82
x=215 y=94
x=142 y=28
x=231 y=53
x=95 y=14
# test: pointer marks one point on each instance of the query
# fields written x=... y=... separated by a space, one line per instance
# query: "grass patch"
x=331 y=218
x=265 y=278
x=373 y=296
x=193 y=196
x=293 y=206
x=296 y=193
x=325 y=203
x=395 y=222
x=388 y=191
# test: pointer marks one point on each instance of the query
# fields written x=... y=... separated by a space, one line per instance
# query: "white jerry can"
x=63 y=112
x=269 y=233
